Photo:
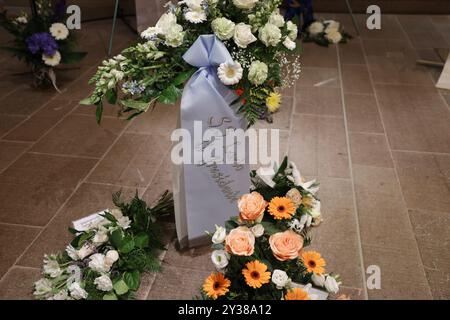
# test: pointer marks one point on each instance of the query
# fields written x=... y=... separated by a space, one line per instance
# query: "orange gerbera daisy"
x=281 y=208
x=313 y=262
x=297 y=294
x=256 y=274
x=216 y=285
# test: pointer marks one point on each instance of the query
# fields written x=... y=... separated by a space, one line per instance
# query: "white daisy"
x=230 y=73
x=59 y=31
x=52 y=61
x=195 y=16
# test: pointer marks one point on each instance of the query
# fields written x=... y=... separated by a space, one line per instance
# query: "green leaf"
x=116 y=238
x=72 y=57
x=110 y=296
x=86 y=101
x=230 y=224
x=120 y=287
x=132 y=279
x=99 y=112
x=270 y=228
x=182 y=77
x=111 y=96
x=169 y=95
x=127 y=244
x=141 y=240
x=136 y=104
x=109 y=216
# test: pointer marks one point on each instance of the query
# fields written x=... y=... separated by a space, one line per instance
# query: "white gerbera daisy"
x=52 y=60
x=195 y=16
x=230 y=73
x=59 y=31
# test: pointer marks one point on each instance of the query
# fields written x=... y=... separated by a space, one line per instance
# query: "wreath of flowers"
x=261 y=254
x=326 y=32
x=106 y=260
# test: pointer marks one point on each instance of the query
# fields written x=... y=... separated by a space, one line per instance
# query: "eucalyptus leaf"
x=120 y=287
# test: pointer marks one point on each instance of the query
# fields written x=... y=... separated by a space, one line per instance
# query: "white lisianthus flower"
x=280 y=278
x=116 y=213
x=270 y=35
x=334 y=36
x=86 y=250
x=42 y=286
x=258 y=72
x=194 y=4
x=220 y=235
x=332 y=26
x=266 y=175
x=72 y=252
x=100 y=237
x=315 y=28
x=243 y=35
x=51 y=267
x=166 y=22
x=295 y=173
x=195 y=16
x=223 y=28
x=276 y=19
x=318 y=279
x=315 y=211
x=59 y=31
x=257 y=230
x=220 y=259
x=175 y=36
x=289 y=44
x=61 y=295
x=97 y=263
x=245 y=4
x=150 y=33
x=22 y=20
x=53 y=60
x=103 y=283
x=331 y=284
x=230 y=73
x=77 y=292
x=293 y=30
x=124 y=222
x=111 y=257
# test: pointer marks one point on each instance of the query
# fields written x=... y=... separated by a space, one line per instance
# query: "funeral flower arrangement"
x=326 y=32
x=261 y=254
x=43 y=41
x=106 y=260
x=253 y=31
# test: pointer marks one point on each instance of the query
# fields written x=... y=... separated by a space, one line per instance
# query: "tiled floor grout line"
x=318 y=115
x=347 y=138
x=63 y=155
x=113 y=185
x=422 y=152
x=392 y=155
x=20 y=225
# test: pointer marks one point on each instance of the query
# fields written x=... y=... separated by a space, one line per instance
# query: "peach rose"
x=286 y=245
x=251 y=207
x=240 y=241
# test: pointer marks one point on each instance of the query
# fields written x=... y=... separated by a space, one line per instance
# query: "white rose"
x=315 y=28
x=258 y=230
x=318 y=279
x=59 y=31
x=100 y=237
x=220 y=235
x=53 y=60
x=111 y=257
x=331 y=285
x=270 y=35
x=175 y=36
x=293 y=30
x=280 y=278
x=223 y=28
x=220 y=259
x=166 y=22
x=277 y=19
x=243 y=35
x=103 y=283
x=77 y=292
x=194 y=4
x=97 y=263
x=245 y=4
x=289 y=44
x=42 y=287
x=258 y=72
x=332 y=26
x=51 y=267
x=334 y=36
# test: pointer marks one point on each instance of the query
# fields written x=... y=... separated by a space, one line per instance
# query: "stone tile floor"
x=364 y=119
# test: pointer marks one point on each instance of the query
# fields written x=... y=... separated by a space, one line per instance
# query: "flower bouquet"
x=326 y=32
x=43 y=41
x=106 y=260
x=253 y=31
x=261 y=254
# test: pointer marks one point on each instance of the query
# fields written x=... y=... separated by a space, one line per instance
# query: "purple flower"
x=42 y=41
